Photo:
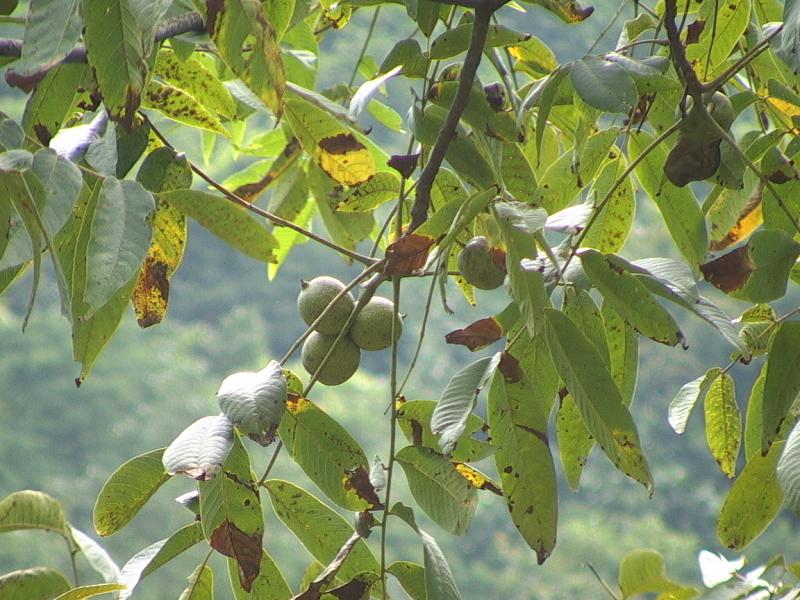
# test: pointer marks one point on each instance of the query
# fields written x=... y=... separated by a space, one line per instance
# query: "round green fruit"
x=372 y=327
x=340 y=366
x=316 y=295
x=696 y=126
x=477 y=267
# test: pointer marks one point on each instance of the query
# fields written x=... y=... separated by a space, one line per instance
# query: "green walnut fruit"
x=477 y=267
x=372 y=327
x=316 y=295
x=340 y=366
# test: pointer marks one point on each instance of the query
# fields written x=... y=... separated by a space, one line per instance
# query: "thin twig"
x=73 y=550
x=271 y=463
x=364 y=45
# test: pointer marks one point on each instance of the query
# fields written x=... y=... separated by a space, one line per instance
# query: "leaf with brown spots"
x=230 y=511
x=693 y=31
x=403 y=163
x=510 y=368
x=750 y=218
x=358 y=481
x=477 y=479
x=477 y=335
x=408 y=254
x=731 y=271
x=242 y=23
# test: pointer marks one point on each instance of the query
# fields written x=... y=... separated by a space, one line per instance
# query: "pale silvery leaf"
x=200 y=450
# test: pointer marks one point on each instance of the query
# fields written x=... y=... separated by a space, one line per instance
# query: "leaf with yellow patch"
x=329 y=143
x=477 y=479
x=750 y=218
x=180 y=106
x=197 y=80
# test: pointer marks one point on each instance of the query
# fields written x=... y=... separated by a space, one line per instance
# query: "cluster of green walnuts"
x=371 y=329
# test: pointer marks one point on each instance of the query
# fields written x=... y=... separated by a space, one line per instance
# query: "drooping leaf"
x=39 y=583
x=269 y=585
x=643 y=571
x=180 y=106
x=782 y=382
x=201 y=584
x=613 y=225
x=227 y=221
x=623 y=352
x=368 y=89
x=337 y=465
x=200 y=450
x=255 y=402
x=569 y=11
x=320 y=529
x=678 y=207
x=723 y=423
x=232 y=25
x=378 y=189
x=589 y=381
x=197 y=80
x=230 y=511
x=455 y=41
x=753 y=501
x=97 y=557
x=439 y=489
x=631 y=299
x=414 y=418
x=29 y=509
x=120 y=236
x=156 y=555
x=450 y=417
x=604 y=85
x=680 y=409
x=127 y=490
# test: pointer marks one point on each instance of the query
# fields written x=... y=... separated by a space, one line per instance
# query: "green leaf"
x=194 y=78
x=52 y=29
x=569 y=11
x=95 y=555
x=230 y=511
x=320 y=529
x=788 y=470
x=338 y=465
x=643 y=571
x=114 y=33
x=680 y=409
x=724 y=26
x=544 y=95
x=517 y=413
x=120 y=236
x=201 y=584
x=598 y=399
x=367 y=90
x=450 y=417
x=623 y=350
x=29 y=509
x=613 y=225
x=753 y=501
x=200 y=450
x=723 y=423
x=782 y=382
x=288 y=238
x=50 y=102
x=439 y=581
x=533 y=57
x=229 y=222
x=678 y=206
x=156 y=555
x=439 y=489
x=39 y=583
x=378 y=189
x=414 y=418
x=604 y=85
x=90 y=591
x=408 y=54
x=242 y=23
x=479 y=113
x=753 y=417
x=127 y=490
x=279 y=14
x=630 y=298
x=269 y=585
x=411 y=577
x=455 y=41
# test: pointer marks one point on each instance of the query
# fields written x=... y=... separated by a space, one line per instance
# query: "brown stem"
x=422 y=200
x=678 y=53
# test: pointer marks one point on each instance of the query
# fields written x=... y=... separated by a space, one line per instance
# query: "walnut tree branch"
x=678 y=53
x=480 y=28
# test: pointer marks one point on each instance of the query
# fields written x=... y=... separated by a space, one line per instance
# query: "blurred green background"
x=225 y=316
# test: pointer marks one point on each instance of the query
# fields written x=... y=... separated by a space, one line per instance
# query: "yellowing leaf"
x=477 y=479
x=180 y=106
x=194 y=78
x=750 y=219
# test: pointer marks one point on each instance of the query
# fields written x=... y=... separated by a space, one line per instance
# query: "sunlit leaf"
x=723 y=423
x=643 y=571
x=28 y=509
x=680 y=409
x=201 y=584
x=39 y=583
x=782 y=382
x=200 y=450
x=90 y=591
x=269 y=585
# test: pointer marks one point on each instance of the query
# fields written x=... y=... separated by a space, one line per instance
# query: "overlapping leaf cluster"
x=548 y=163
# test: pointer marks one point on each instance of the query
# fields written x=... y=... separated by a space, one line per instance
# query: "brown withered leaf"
x=731 y=271
x=747 y=222
x=693 y=31
x=358 y=480
x=246 y=550
x=408 y=254
x=498 y=256
x=403 y=163
x=477 y=335
x=509 y=367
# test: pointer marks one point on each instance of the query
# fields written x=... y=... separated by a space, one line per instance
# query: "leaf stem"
x=73 y=550
x=273 y=218
x=364 y=45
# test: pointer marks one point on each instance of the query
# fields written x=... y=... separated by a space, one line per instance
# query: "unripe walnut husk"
x=372 y=327
x=342 y=364
x=315 y=296
x=476 y=265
